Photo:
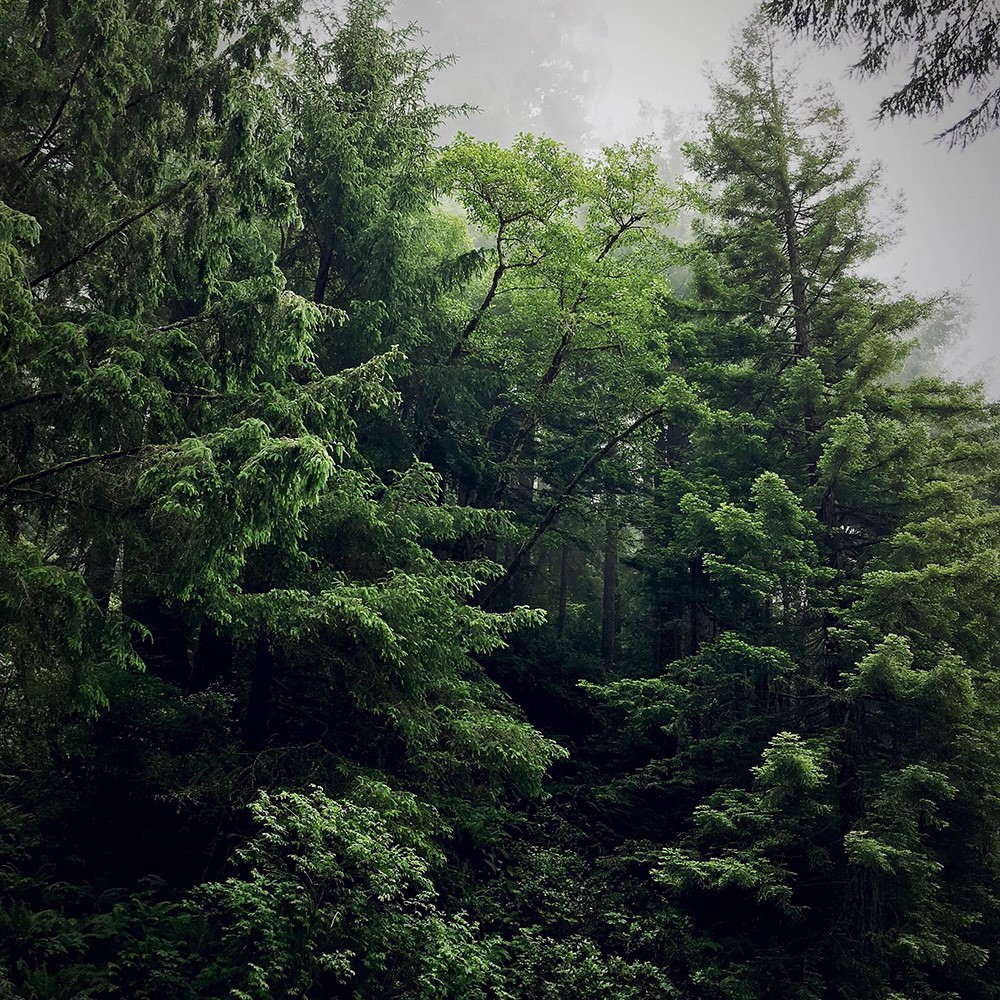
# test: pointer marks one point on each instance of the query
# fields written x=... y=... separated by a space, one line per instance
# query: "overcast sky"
x=583 y=71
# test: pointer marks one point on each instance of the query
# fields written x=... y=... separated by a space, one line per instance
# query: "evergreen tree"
x=953 y=45
x=207 y=590
x=789 y=530
x=261 y=734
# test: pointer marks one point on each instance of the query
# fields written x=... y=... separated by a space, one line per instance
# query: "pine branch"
x=118 y=228
x=25 y=160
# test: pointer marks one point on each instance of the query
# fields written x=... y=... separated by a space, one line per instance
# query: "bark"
x=99 y=569
x=609 y=614
x=166 y=653
x=323 y=274
x=563 y=589
x=18 y=482
x=213 y=657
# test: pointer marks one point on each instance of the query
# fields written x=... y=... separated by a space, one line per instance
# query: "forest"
x=472 y=571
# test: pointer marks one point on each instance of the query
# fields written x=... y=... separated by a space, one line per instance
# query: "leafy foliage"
x=422 y=575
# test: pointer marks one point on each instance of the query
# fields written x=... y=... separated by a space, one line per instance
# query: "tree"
x=952 y=46
x=577 y=250
x=362 y=136
x=337 y=896
x=794 y=724
x=207 y=590
x=149 y=312
x=261 y=734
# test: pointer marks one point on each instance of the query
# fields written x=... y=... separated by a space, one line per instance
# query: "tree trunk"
x=166 y=653
x=563 y=589
x=522 y=583
x=99 y=569
x=213 y=656
x=609 y=617
x=323 y=274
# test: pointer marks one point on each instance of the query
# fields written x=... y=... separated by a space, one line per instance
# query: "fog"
x=588 y=72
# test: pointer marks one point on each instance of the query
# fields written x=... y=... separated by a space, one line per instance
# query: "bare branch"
x=553 y=512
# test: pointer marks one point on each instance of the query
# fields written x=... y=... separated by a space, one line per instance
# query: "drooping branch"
x=470 y=327
x=953 y=45
x=41 y=397
x=27 y=159
x=119 y=227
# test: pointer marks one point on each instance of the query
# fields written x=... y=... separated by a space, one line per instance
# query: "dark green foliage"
x=336 y=898
x=207 y=591
x=422 y=577
x=798 y=536
x=953 y=46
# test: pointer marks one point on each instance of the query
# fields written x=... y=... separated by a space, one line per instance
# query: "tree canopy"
x=430 y=571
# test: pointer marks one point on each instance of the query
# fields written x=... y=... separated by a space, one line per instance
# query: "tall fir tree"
x=208 y=593
x=800 y=531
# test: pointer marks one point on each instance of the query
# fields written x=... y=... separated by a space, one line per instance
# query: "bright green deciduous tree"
x=557 y=336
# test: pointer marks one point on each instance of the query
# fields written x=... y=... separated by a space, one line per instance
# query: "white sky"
x=656 y=51
x=951 y=229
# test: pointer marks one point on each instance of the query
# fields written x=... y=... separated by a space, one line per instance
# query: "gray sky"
x=580 y=70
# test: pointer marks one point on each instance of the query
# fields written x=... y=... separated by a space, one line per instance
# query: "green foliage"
x=629 y=630
x=187 y=498
x=338 y=896
x=953 y=45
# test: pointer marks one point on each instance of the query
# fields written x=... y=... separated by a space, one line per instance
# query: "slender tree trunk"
x=213 y=656
x=323 y=273
x=166 y=653
x=563 y=589
x=522 y=588
x=800 y=306
x=801 y=320
x=99 y=569
x=695 y=605
x=609 y=616
x=522 y=583
x=656 y=644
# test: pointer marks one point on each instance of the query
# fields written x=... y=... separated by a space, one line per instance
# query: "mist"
x=590 y=72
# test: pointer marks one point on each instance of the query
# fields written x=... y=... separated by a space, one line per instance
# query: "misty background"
x=591 y=72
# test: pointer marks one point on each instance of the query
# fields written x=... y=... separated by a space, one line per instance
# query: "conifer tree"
x=801 y=531
x=260 y=736
x=953 y=47
x=208 y=592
